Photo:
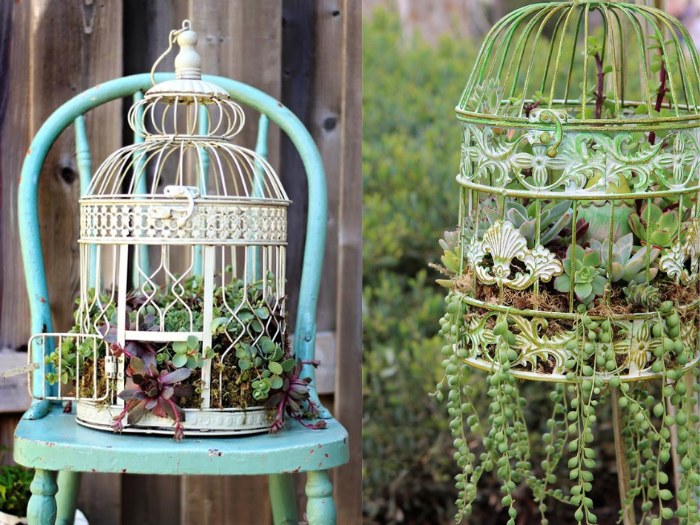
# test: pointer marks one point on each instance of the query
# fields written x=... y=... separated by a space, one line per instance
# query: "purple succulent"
x=152 y=390
x=293 y=399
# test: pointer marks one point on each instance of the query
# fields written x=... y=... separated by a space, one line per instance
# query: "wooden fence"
x=305 y=53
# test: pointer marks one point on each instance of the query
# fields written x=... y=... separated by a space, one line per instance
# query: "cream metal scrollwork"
x=504 y=244
x=181 y=215
x=673 y=262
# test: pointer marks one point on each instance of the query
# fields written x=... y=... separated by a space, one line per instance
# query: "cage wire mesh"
x=579 y=183
x=182 y=261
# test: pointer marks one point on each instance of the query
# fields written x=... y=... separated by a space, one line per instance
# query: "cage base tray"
x=215 y=422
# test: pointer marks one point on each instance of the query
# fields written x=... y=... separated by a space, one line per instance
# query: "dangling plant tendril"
x=594 y=373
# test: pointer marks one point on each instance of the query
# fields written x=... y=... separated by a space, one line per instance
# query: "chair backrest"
x=73 y=111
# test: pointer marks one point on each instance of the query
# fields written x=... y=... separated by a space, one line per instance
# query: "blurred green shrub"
x=410 y=156
x=14 y=487
x=410 y=146
x=408 y=466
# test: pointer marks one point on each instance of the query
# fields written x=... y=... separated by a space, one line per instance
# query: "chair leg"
x=320 y=507
x=42 y=504
x=284 y=499
x=67 y=497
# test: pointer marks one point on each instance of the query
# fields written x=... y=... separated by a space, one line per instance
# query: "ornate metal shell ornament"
x=504 y=244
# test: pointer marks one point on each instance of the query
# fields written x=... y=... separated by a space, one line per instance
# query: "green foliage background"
x=14 y=487
x=410 y=153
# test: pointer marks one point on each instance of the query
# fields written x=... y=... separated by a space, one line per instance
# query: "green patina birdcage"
x=576 y=259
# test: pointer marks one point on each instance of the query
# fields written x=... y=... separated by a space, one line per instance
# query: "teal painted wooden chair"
x=52 y=443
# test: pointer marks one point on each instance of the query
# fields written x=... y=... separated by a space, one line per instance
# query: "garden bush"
x=409 y=163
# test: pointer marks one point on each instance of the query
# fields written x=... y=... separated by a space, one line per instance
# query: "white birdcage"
x=182 y=273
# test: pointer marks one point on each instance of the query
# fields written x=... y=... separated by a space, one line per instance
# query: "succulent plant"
x=597 y=213
x=662 y=227
x=642 y=294
x=153 y=391
x=554 y=217
x=293 y=399
x=566 y=238
x=585 y=268
x=626 y=266
x=451 y=259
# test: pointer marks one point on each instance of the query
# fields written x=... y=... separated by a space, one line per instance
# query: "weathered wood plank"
x=101 y=494
x=8 y=422
x=225 y=500
x=152 y=500
x=242 y=40
x=14 y=396
x=57 y=50
x=14 y=140
x=326 y=128
x=146 y=29
x=348 y=389
x=297 y=94
x=72 y=47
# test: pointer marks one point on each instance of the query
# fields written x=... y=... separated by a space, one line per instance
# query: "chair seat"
x=57 y=442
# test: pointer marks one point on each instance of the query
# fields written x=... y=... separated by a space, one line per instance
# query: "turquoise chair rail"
x=28 y=212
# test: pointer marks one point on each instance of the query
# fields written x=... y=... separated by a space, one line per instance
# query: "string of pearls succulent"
x=647 y=422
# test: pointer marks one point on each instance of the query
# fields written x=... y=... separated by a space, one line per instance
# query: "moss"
x=231 y=387
x=87 y=376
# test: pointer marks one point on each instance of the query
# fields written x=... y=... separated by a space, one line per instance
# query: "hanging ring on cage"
x=172 y=39
x=181 y=215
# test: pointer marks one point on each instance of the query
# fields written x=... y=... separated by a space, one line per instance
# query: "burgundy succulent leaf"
x=152 y=390
x=108 y=333
x=170 y=378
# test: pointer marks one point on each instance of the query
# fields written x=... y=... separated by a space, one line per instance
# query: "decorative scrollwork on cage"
x=503 y=243
x=579 y=161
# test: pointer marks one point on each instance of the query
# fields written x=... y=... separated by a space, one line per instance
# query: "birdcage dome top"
x=585 y=65
x=186 y=181
x=188 y=81
x=188 y=125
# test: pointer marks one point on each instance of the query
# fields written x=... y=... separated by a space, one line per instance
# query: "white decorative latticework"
x=181 y=316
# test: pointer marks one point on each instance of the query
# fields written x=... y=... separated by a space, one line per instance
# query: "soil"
x=234 y=389
x=87 y=379
x=550 y=300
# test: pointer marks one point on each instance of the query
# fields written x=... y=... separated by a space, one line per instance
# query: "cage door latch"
x=180 y=214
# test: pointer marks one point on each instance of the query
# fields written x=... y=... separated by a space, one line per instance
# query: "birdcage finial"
x=188 y=64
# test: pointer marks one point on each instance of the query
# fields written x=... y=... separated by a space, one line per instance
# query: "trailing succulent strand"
x=554 y=441
x=594 y=372
x=507 y=438
x=642 y=294
x=581 y=417
x=688 y=449
x=460 y=408
x=648 y=438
